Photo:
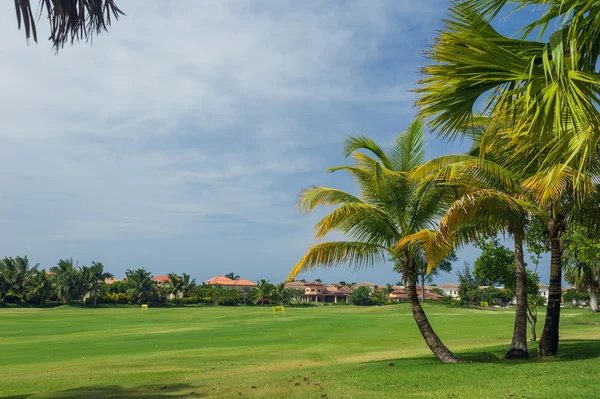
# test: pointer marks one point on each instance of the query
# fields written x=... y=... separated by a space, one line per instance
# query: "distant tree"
x=389 y=288
x=40 y=286
x=16 y=273
x=496 y=264
x=93 y=277
x=343 y=283
x=319 y=280
x=140 y=285
x=188 y=286
x=174 y=286
x=582 y=263
x=69 y=20
x=361 y=296
x=232 y=276
x=263 y=292
x=68 y=280
x=378 y=296
x=281 y=295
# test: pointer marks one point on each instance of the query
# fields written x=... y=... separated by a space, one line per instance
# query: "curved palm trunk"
x=549 y=339
x=593 y=300
x=433 y=341
x=518 y=346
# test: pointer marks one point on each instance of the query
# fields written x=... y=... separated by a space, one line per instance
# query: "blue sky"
x=180 y=140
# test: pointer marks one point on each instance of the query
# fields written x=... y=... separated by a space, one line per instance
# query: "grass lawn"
x=325 y=352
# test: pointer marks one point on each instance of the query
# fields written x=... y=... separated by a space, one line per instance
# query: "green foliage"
x=495 y=265
x=379 y=297
x=573 y=295
x=140 y=285
x=68 y=280
x=361 y=297
x=15 y=274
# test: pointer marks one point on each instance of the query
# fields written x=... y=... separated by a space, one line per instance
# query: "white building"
x=449 y=289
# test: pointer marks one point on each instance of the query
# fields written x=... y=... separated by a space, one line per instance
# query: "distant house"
x=318 y=292
x=160 y=280
x=401 y=295
x=295 y=285
x=544 y=291
x=111 y=280
x=226 y=282
x=367 y=284
x=449 y=289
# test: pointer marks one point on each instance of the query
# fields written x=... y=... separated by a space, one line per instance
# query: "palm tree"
x=188 y=285
x=16 y=273
x=491 y=200
x=548 y=90
x=263 y=291
x=69 y=20
x=281 y=295
x=40 y=285
x=94 y=277
x=140 y=284
x=232 y=276
x=174 y=286
x=582 y=268
x=67 y=280
x=390 y=206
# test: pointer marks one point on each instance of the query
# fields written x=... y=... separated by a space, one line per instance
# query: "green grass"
x=325 y=352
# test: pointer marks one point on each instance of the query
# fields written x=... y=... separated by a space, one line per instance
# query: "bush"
x=10 y=298
x=227 y=301
x=361 y=297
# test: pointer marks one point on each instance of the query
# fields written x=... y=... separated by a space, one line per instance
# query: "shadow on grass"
x=569 y=350
x=178 y=391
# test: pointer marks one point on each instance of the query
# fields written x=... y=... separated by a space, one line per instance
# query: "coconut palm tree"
x=232 y=276
x=68 y=280
x=282 y=295
x=140 y=285
x=582 y=263
x=263 y=292
x=549 y=90
x=94 y=277
x=174 y=286
x=69 y=20
x=16 y=273
x=188 y=285
x=390 y=206
x=40 y=285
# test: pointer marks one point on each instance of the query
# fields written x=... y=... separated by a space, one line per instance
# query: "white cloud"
x=188 y=111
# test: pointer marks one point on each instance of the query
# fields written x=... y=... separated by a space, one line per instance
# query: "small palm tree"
x=390 y=207
x=94 y=277
x=40 y=285
x=16 y=274
x=68 y=280
x=232 y=276
x=281 y=295
x=70 y=20
x=263 y=292
x=188 y=286
x=140 y=285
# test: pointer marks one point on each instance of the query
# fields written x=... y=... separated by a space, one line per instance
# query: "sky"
x=180 y=140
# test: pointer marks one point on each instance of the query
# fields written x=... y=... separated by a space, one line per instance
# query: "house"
x=111 y=280
x=226 y=282
x=449 y=289
x=295 y=285
x=401 y=295
x=367 y=284
x=160 y=280
x=317 y=292
x=544 y=291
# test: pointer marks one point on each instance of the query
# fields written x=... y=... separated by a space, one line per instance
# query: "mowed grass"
x=324 y=352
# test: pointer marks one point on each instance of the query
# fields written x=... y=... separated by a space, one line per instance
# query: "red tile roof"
x=220 y=280
x=448 y=285
x=243 y=283
x=161 y=279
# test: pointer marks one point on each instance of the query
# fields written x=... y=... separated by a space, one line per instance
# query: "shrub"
x=361 y=296
x=227 y=301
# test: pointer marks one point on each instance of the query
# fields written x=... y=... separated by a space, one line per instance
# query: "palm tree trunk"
x=549 y=339
x=518 y=346
x=431 y=338
x=593 y=300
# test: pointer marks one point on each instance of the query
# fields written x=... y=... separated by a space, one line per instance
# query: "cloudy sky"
x=180 y=140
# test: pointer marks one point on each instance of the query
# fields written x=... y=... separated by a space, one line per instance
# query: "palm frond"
x=408 y=151
x=315 y=196
x=359 y=255
x=70 y=20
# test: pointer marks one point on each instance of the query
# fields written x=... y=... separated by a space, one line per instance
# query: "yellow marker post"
x=484 y=304
x=279 y=309
x=145 y=307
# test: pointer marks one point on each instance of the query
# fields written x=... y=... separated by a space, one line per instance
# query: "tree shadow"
x=569 y=350
x=177 y=391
